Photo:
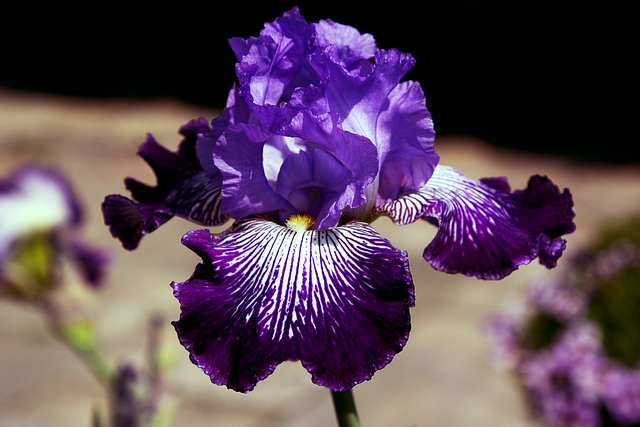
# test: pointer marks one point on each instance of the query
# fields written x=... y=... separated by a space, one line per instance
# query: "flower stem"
x=79 y=337
x=345 y=408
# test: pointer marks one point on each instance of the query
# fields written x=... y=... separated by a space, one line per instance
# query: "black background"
x=557 y=78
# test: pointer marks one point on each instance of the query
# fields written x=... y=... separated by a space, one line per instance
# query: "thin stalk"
x=345 y=408
x=91 y=356
x=78 y=335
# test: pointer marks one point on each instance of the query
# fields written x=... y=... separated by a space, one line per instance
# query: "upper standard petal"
x=268 y=64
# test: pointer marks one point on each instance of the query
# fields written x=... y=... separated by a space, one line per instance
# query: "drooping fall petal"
x=337 y=300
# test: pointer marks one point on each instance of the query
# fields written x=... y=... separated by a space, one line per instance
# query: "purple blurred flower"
x=561 y=381
x=553 y=393
x=579 y=377
x=621 y=393
x=39 y=205
x=126 y=410
x=320 y=137
x=560 y=300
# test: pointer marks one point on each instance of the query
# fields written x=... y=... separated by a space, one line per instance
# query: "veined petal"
x=483 y=230
x=337 y=300
x=195 y=199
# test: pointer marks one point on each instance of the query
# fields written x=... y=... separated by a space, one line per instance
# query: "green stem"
x=345 y=408
x=78 y=337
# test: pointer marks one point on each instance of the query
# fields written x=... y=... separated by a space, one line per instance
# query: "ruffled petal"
x=483 y=230
x=169 y=167
x=245 y=189
x=337 y=300
x=183 y=189
x=195 y=199
x=126 y=221
x=267 y=64
x=356 y=153
x=360 y=97
x=405 y=139
x=91 y=262
x=373 y=103
x=352 y=46
x=263 y=68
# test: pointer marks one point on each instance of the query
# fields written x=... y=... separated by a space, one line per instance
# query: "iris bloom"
x=39 y=220
x=319 y=137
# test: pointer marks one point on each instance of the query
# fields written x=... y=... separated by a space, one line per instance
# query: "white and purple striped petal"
x=337 y=300
x=195 y=199
x=484 y=230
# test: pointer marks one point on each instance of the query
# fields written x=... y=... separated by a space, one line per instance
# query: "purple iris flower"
x=320 y=137
x=39 y=203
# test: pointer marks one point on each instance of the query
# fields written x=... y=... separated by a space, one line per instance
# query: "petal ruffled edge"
x=183 y=189
x=337 y=300
x=483 y=230
x=195 y=199
x=169 y=167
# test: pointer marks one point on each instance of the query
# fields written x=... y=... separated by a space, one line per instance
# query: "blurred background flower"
x=46 y=263
x=40 y=218
x=574 y=342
